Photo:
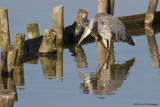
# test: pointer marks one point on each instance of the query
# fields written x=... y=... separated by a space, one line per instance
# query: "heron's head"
x=88 y=29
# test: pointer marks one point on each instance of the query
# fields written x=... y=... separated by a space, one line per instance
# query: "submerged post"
x=7 y=98
x=11 y=59
x=151 y=11
x=4 y=29
x=48 y=43
x=58 y=23
x=33 y=30
x=19 y=44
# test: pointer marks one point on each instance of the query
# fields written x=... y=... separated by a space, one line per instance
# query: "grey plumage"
x=109 y=28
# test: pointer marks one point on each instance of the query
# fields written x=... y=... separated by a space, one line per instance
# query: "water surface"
x=129 y=77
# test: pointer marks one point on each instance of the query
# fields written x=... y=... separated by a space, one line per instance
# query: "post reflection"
x=153 y=48
x=109 y=78
x=80 y=56
x=106 y=80
x=53 y=65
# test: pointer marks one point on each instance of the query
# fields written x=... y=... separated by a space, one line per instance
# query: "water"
x=131 y=78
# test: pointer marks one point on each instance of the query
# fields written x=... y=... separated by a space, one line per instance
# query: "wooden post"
x=19 y=44
x=58 y=23
x=102 y=6
x=112 y=2
x=151 y=11
x=33 y=30
x=11 y=59
x=72 y=32
x=7 y=98
x=4 y=29
x=48 y=43
x=82 y=14
x=106 y=6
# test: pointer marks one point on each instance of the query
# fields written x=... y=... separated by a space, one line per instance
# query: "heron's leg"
x=106 y=45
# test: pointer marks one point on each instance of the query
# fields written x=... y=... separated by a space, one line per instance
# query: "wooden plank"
x=134 y=24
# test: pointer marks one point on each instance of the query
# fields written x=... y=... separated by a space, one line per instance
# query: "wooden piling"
x=151 y=11
x=82 y=14
x=48 y=43
x=102 y=6
x=74 y=31
x=7 y=98
x=106 y=6
x=19 y=44
x=58 y=24
x=111 y=11
x=11 y=58
x=4 y=29
x=33 y=30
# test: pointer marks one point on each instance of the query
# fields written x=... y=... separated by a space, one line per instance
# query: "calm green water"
x=130 y=77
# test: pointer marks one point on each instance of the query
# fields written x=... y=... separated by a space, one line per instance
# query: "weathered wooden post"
x=11 y=59
x=48 y=43
x=72 y=32
x=19 y=44
x=102 y=6
x=112 y=2
x=33 y=30
x=58 y=24
x=82 y=14
x=4 y=29
x=151 y=11
x=106 y=6
x=7 y=98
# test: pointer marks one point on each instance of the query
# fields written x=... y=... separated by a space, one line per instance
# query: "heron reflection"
x=108 y=79
x=109 y=28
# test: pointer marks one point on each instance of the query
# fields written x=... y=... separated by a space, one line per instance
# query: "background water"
x=138 y=85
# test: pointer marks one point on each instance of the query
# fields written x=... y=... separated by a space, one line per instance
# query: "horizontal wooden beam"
x=134 y=24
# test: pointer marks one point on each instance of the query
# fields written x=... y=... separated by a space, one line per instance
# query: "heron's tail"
x=131 y=41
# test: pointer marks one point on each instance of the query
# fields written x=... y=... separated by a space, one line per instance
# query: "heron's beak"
x=85 y=34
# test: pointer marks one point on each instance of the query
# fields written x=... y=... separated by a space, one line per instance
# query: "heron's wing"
x=115 y=27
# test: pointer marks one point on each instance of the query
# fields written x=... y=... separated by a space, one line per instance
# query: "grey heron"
x=108 y=27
